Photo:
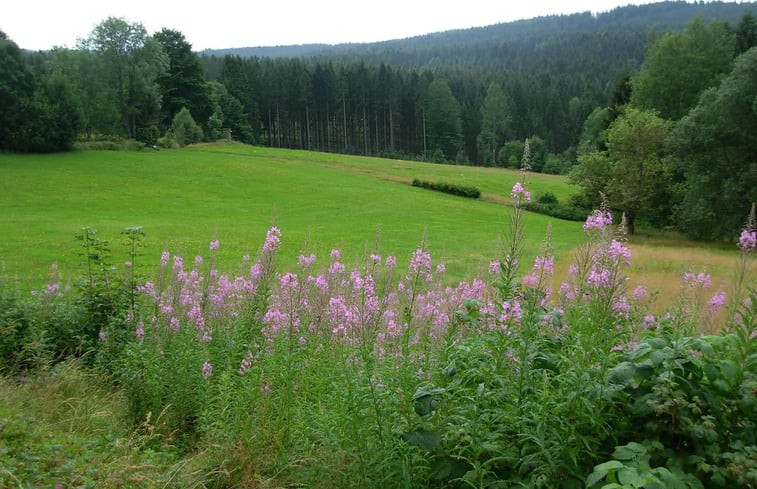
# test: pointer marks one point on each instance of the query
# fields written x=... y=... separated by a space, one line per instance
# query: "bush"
x=557 y=210
x=184 y=128
x=449 y=188
x=110 y=145
x=547 y=198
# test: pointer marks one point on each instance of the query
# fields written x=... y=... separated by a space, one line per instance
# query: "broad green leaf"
x=595 y=477
x=628 y=476
x=631 y=451
x=608 y=466
x=427 y=440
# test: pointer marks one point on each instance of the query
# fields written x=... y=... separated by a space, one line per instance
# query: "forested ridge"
x=469 y=96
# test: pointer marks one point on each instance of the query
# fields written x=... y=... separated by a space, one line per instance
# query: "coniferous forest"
x=470 y=96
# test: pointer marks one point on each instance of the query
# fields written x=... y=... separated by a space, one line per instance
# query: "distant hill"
x=630 y=24
x=373 y=98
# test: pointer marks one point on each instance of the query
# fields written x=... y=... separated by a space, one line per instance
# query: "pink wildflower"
x=336 y=268
x=214 y=245
x=207 y=370
x=640 y=293
x=617 y=252
x=599 y=278
x=598 y=220
x=272 y=240
x=178 y=264
x=306 y=261
x=748 y=240
x=495 y=267
x=164 y=259
x=717 y=301
x=520 y=194
x=391 y=261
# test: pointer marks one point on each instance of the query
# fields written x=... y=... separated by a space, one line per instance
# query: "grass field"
x=183 y=199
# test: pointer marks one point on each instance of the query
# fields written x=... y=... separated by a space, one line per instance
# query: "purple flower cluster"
x=598 y=220
x=519 y=194
x=748 y=240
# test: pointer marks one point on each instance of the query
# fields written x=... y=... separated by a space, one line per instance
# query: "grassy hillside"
x=185 y=198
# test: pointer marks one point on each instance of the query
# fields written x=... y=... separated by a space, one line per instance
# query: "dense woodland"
x=647 y=104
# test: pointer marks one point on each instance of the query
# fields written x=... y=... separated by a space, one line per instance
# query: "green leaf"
x=730 y=371
x=622 y=373
x=608 y=466
x=446 y=467
x=631 y=451
x=595 y=477
x=427 y=440
x=426 y=399
x=628 y=476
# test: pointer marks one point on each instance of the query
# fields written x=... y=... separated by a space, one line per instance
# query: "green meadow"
x=185 y=198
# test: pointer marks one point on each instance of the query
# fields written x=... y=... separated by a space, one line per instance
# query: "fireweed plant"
x=378 y=376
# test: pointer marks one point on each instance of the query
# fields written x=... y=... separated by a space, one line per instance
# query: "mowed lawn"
x=185 y=198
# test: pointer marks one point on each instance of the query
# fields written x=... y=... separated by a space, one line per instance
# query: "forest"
x=658 y=89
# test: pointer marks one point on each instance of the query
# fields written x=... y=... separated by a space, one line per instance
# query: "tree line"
x=676 y=148
x=583 y=112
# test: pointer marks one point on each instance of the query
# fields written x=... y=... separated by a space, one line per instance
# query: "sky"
x=43 y=24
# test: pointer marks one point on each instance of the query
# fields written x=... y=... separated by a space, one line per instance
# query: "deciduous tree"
x=716 y=147
x=133 y=62
x=680 y=66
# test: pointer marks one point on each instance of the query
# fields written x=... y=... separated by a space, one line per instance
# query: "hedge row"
x=560 y=211
x=449 y=188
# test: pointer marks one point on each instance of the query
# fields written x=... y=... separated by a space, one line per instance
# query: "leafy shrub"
x=184 y=128
x=110 y=145
x=691 y=400
x=14 y=325
x=168 y=141
x=560 y=211
x=547 y=198
x=449 y=188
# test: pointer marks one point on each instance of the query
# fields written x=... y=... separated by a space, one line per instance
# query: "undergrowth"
x=326 y=376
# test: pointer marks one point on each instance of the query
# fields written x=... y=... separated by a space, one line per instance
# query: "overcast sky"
x=37 y=24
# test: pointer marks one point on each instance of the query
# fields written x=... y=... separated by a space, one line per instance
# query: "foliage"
x=558 y=210
x=67 y=427
x=132 y=62
x=496 y=114
x=38 y=112
x=715 y=148
x=182 y=85
x=443 y=120
x=377 y=376
x=633 y=173
x=184 y=129
x=449 y=188
x=680 y=66
x=510 y=154
x=692 y=401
